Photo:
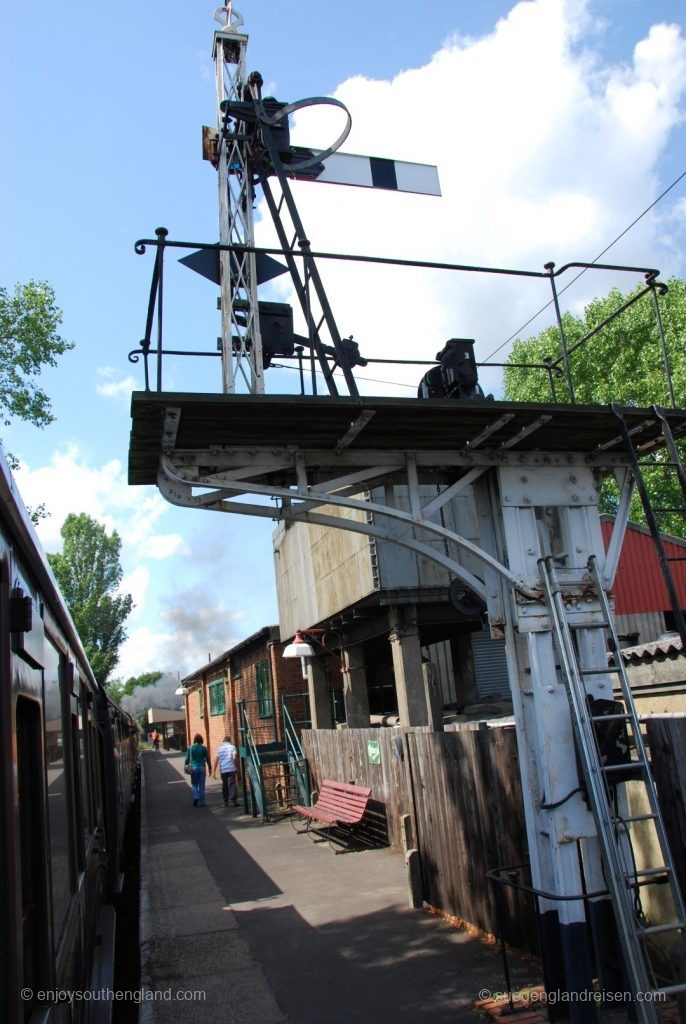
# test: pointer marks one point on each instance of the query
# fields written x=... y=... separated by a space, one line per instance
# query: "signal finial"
x=228 y=17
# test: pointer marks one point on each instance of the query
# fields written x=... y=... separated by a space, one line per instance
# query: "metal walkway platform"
x=188 y=424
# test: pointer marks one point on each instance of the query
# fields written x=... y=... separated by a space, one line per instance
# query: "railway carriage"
x=69 y=758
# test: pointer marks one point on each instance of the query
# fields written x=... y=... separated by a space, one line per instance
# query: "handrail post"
x=548 y=360
x=161 y=235
x=660 y=329
x=563 y=341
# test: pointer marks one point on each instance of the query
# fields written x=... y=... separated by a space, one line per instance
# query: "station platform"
x=242 y=921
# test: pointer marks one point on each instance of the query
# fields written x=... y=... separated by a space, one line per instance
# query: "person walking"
x=197 y=756
x=226 y=760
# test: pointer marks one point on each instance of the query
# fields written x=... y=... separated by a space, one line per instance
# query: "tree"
x=89 y=572
x=29 y=340
x=118 y=690
x=621 y=363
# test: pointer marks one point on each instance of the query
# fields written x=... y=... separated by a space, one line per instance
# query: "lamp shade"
x=181 y=691
x=299 y=648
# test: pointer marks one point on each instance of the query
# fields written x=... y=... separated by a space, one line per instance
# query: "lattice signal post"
x=251 y=148
x=241 y=341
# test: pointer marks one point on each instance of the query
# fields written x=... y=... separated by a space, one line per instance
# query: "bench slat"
x=338 y=802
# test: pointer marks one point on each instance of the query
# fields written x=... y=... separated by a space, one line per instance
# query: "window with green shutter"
x=201 y=702
x=265 y=706
x=216 y=694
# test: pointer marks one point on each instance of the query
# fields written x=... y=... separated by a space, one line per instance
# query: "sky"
x=554 y=125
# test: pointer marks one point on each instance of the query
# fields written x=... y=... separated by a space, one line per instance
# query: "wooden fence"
x=463 y=791
x=667 y=741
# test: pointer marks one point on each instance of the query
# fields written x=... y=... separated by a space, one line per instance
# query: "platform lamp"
x=300 y=647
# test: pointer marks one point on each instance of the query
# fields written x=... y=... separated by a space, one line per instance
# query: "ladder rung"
x=628 y=818
x=671 y=990
x=653 y=929
x=589 y=625
x=625 y=717
x=599 y=671
x=627 y=766
x=647 y=872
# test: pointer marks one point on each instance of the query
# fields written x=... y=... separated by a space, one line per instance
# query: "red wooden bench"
x=337 y=812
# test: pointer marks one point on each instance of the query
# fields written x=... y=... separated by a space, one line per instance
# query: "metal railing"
x=291 y=737
x=152 y=347
x=298 y=766
x=510 y=877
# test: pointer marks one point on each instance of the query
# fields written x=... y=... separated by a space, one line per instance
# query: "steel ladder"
x=601 y=778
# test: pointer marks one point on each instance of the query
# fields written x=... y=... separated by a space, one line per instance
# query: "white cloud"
x=70 y=484
x=544 y=153
x=136 y=584
x=115 y=385
x=166 y=545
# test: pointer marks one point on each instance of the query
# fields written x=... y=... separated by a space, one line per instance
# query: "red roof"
x=638 y=585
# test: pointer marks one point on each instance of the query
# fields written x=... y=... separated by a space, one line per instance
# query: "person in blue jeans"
x=197 y=756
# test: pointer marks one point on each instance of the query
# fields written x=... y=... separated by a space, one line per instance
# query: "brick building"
x=252 y=677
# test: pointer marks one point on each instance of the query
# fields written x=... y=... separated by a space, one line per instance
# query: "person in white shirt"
x=225 y=760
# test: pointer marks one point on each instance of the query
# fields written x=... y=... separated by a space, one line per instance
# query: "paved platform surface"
x=276 y=929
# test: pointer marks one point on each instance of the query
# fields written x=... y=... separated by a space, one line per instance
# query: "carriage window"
x=58 y=814
x=84 y=773
x=34 y=890
x=95 y=774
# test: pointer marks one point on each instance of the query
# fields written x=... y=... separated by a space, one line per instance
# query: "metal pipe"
x=563 y=341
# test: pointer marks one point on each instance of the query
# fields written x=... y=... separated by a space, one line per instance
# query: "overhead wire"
x=582 y=272
x=338 y=373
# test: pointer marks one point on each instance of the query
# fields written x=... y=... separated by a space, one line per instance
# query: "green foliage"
x=38 y=513
x=89 y=572
x=29 y=340
x=118 y=689
x=622 y=363
x=146 y=679
x=115 y=689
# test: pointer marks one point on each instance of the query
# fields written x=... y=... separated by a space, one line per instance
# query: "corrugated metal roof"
x=638 y=585
x=666 y=645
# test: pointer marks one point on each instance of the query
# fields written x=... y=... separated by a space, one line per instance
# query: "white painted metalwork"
x=241 y=343
x=298 y=504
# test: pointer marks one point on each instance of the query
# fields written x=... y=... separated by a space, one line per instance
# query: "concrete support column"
x=318 y=687
x=407 y=667
x=355 y=696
